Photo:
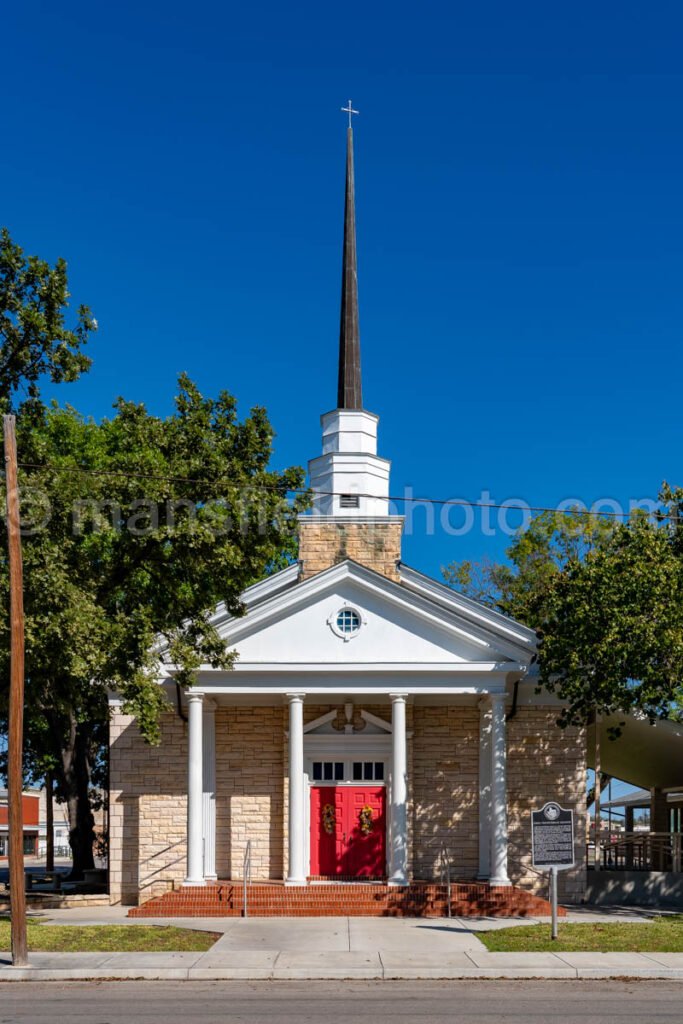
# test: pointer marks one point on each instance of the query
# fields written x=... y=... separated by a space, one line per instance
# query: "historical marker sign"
x=552 y=837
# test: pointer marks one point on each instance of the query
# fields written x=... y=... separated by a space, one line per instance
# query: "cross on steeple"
x=349 y=110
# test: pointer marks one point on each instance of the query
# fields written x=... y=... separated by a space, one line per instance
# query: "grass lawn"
x=109 y=938
x=661 y=935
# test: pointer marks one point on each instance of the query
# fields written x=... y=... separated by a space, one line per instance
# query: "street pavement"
x=343 y=1002
x=378 y=949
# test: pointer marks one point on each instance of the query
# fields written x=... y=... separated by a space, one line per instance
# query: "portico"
x=317 y=755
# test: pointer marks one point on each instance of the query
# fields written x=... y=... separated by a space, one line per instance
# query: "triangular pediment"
x=394 y=623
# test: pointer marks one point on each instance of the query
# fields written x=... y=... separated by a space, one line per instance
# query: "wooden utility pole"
x=16 y=703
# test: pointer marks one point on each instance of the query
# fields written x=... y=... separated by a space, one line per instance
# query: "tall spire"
x=349 y=392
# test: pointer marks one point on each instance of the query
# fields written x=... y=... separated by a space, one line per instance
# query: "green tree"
x=34 y=339
x=606 y=599
x=135 y=530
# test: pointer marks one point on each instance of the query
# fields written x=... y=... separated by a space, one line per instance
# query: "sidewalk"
x=337 y=948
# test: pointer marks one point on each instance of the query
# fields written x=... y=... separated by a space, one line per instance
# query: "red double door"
x=348 y=831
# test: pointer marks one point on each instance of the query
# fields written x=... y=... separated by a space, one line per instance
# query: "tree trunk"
x=49 y=824
x=74 y=785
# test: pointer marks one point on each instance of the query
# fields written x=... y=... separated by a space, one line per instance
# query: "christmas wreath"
x=328 y=819
x=365 y=818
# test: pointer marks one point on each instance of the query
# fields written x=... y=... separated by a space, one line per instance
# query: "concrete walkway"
x=337 y=948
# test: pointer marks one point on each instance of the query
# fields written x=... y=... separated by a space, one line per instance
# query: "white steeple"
x=349 y=478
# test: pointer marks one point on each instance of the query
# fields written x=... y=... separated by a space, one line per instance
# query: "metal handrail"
x=446 y=869
x=246 y=876
x=642 y=851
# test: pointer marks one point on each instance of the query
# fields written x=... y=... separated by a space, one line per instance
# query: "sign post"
x=552 y=846
x=553 y=903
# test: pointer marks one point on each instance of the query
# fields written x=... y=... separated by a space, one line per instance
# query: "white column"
x=195 y=791
x=484 y=789
x=398 y=848
x=499 y=826
x=296 y=818
x=209 y=795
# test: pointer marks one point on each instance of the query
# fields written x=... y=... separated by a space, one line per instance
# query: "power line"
x=462 y=502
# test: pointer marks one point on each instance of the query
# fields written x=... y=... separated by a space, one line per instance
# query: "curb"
x=11 y=974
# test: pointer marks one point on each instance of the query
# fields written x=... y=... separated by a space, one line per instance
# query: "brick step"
x=362 y=900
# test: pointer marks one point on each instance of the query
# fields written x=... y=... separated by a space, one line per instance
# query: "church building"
x=378 y=738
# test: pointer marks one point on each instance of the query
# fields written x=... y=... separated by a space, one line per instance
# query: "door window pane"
x=338 y=771
x=327 y=771
x=317 y=771
x=368 y=771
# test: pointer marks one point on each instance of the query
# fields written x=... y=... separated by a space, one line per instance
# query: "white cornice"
x=364 y=688
x=314 y=517
x=500 y=668
x=521 y=635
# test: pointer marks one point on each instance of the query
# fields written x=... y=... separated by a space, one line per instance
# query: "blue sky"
x=520 y=216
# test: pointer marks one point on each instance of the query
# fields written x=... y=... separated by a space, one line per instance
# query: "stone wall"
x=445 y=811
x=376 y=545
x=148 y=808
x=250 y=790
x=545 y=763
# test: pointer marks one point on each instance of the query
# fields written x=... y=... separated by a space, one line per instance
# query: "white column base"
x=194 y=881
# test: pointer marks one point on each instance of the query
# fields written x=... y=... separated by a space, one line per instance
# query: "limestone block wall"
x=375 y=545
x=445 y=806
x=545 y=763
x=250 y=790
x=147 y=809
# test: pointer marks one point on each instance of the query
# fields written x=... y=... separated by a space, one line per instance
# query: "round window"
x=345 y=623
x=348 y=621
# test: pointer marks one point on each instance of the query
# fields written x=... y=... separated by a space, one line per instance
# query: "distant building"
x=31 y=808
x=60 y=828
